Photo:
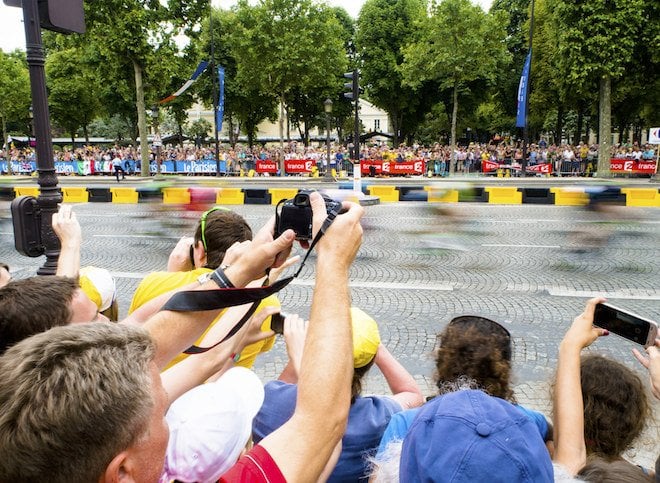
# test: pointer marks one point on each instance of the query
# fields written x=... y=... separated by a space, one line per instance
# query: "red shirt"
x=257 y=465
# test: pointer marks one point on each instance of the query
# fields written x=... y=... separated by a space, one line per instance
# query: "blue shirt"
x=400 y=424
x=367 y=419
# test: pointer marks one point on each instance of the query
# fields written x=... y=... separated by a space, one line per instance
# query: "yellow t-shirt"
x=158 y=283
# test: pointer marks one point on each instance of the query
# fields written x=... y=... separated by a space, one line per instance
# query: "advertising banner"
x=414 y=167
x=266 y=166
x=298 y=165
x=618 y=165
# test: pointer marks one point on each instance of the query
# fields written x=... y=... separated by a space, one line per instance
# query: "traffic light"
x=63 y=16
x=352 y=87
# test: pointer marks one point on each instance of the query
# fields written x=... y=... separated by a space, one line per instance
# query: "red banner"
x=545 y=168
x=298 y=165
x=488 y=166
x=266 y=166
x=621 y=165
x=393 y=168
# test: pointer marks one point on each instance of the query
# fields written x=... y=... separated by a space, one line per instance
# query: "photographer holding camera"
x=193 y=259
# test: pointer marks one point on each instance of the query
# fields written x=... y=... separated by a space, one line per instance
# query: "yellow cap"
x=366 y=338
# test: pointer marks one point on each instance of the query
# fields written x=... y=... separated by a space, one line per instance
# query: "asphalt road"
x=530 y=267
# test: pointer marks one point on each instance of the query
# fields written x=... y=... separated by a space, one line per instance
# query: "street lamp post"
x=156 y=142
x=327 y=106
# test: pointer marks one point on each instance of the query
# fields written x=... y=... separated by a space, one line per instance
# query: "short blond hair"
x=73 y=398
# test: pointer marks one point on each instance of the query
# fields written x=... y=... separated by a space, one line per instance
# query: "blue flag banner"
x=523 y=87
x=221 y=98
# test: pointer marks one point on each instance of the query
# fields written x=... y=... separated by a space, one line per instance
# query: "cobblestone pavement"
x=530 y=267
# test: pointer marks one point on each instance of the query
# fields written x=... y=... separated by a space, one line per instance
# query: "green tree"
x=14 y=91
x=134 y=41
x=246 y=102
x=289 y=48
x=596 y=41
x=384 y=28
x=73 y=92
x=198 y=130
x=457 y=44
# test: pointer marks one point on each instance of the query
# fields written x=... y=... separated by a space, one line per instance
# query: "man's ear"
x=199 y=255
x=119 y=470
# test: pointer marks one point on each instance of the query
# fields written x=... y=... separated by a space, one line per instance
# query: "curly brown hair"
x=615 y=405
x=479 y=349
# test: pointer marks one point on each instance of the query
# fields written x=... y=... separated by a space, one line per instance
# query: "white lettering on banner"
x=616 y=165
x=199 y=167
x=308 y=165
x=628 y=166
x=419 y=167
x=386 y=167
x=65 y=168
x=299 y=166
x=646 y=166
x=268 y=166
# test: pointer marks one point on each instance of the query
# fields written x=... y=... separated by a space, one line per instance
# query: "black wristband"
x=220 y=278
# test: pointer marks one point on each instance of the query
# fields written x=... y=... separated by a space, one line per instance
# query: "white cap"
x=99 y=285
x=210 y=425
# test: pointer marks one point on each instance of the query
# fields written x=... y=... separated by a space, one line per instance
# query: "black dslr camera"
x=296 y=214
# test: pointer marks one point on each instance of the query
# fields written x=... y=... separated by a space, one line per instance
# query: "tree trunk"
x=73 y=140
x=580 y=121
x=560 y=124
x=142 y=120
x=604 y=126
x=281 y=167
x=86 y=133
x=452 y=141
x=396 y=127
x=4 y=143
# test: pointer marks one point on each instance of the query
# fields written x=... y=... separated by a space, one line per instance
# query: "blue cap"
x=469 y=436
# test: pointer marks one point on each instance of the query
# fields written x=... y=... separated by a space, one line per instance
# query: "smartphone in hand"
x=626 y=324
x=277 y=322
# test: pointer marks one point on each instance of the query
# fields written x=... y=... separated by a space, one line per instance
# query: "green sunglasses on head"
x=203 y=222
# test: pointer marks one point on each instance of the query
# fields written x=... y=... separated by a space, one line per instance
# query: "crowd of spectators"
x=564 y=159
x=86 y=399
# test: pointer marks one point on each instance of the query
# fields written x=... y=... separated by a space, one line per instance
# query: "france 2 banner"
x=266 y=166
x=394 y=168
x=488 y=166
x=298 y=165
x=621 y=165
x=545 y=168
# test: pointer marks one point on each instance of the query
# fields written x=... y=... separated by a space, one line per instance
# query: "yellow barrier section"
x=504 y=195
x=230 y=196
x=176 y=196
x=570 y=196
x=251 y=173
x=124 y=195
x=277 y=194
x=386 y=194
x=437 y=195
x=641 y=196
x=26 y=191
x=333 y=172
x=75 y=194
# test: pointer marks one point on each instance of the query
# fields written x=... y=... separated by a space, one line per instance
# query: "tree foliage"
x=456 y=45
x=384 y=28
x=14 y=92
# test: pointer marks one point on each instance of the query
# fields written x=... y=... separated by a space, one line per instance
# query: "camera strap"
x=204 y=300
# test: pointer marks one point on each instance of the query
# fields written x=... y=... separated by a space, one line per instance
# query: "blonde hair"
x=73 y=398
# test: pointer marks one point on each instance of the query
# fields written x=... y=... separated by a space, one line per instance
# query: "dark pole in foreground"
x=215 y=92
x=523 y=171
x=50 y=195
